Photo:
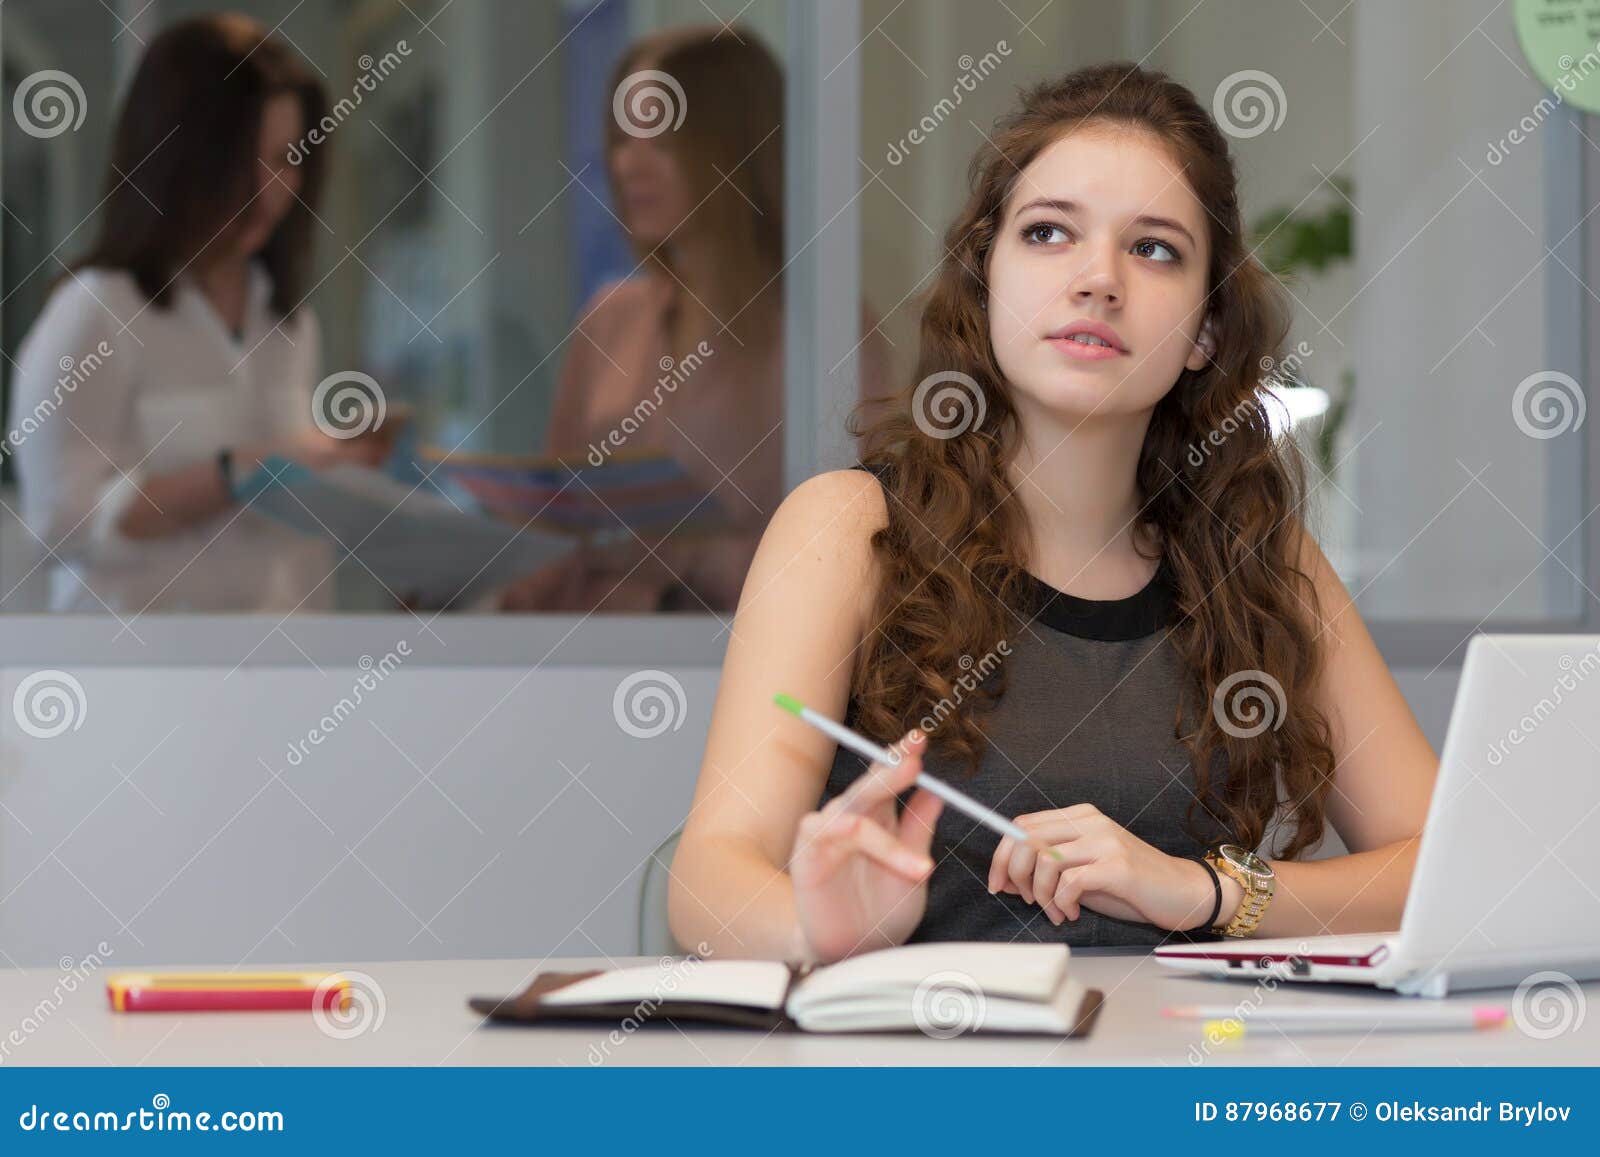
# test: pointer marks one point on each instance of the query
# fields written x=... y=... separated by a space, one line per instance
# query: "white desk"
x=427 y=1022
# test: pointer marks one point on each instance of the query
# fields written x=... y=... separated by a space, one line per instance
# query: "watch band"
x=1257 y=895
x=1207 y=927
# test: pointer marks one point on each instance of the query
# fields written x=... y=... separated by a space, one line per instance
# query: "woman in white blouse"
x=177 y=355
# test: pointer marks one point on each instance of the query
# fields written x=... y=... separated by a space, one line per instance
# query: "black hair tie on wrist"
x=1216 y=908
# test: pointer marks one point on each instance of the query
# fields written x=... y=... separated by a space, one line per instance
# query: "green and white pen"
x=867 y=749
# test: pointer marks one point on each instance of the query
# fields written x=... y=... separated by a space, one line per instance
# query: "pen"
x=1229 y=1021
x=867 y=749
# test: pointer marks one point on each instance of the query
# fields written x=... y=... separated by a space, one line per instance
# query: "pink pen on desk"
x=1229 y=1021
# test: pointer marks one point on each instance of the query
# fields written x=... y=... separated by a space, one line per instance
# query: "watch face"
x=1246 y=860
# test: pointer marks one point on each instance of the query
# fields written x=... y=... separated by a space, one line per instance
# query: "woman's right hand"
x=860 y=870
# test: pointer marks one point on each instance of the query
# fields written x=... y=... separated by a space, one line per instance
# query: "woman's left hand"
x=1104 y=867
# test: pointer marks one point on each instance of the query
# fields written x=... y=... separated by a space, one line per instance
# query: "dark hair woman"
x=178 y=351
x=1137 y=653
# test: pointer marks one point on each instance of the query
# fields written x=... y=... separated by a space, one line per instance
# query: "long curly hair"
x=1222 y=509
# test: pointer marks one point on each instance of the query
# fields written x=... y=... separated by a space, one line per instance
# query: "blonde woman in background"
x=702 y=204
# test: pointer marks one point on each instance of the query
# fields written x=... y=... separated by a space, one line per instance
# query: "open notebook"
x=940 y=989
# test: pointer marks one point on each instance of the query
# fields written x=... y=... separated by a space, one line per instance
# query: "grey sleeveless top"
x=1087 y=717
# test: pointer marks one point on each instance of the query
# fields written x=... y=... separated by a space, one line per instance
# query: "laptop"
x=1507 y=881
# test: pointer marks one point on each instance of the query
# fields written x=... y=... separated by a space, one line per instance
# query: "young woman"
x=1133 y=649
x=702 y=204
x=191 y=354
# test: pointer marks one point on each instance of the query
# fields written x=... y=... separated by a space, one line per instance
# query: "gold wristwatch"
x=1255 y=876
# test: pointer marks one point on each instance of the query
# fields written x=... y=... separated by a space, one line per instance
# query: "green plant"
x=1292 y=244
x=1288 y=242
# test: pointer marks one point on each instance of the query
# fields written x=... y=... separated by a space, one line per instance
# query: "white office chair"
x=655 y=936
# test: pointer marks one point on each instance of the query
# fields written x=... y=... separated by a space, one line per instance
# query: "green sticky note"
x=1561 y=39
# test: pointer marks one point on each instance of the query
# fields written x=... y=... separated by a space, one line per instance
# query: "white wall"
x=159 y=827
x=1451 y=251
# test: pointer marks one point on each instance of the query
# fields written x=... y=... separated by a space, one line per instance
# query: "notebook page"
x=945 y=1014
x=757 y=983
x=1025 y=971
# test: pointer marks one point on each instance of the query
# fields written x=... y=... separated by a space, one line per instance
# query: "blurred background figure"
x=689 y=349
x=177 y=353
